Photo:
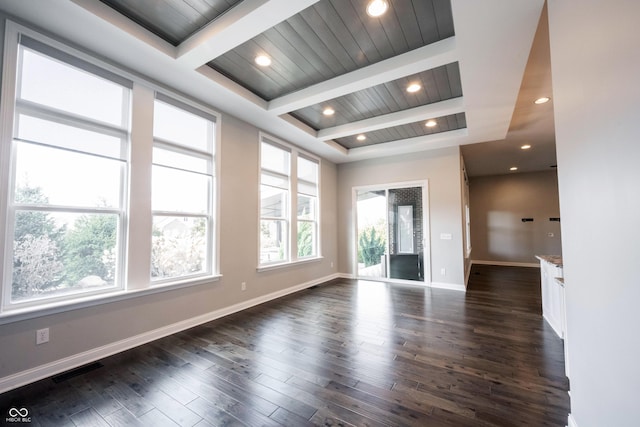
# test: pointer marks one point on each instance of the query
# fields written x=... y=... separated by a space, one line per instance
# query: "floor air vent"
x=76 y=372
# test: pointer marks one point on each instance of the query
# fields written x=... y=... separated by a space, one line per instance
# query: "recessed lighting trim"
x=513 y=168
x=263 y=60
x=361 y=137
x=525 y=147
x=413 y=87
x=328 y=111
x=377 y=8
x=542 y=100
x=431 y=123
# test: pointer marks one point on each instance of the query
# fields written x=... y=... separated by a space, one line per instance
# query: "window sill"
x=280 y=265
x=18 y=314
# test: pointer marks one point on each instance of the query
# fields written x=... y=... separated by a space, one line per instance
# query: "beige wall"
x=442 y=170
x=498 y=204
x=89 y=329
x=595 y=64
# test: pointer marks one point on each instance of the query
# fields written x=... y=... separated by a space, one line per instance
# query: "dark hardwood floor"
x=344 y=353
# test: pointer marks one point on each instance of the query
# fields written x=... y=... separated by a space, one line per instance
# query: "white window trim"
x=134 y=284
x=292 y=258
x=212 y=202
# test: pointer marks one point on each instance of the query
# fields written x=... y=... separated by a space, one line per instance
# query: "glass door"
x=371 y=209
x=391 y=224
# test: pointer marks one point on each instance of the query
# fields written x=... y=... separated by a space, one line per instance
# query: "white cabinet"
x=553 y=300
x=553 y=304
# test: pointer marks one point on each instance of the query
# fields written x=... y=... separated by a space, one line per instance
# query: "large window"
x=182 y=196
x=68 y=137
x=67 y=187
x=288 y=219
x=307 y=237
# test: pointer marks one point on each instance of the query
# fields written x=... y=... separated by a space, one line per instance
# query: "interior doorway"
x=391 y=231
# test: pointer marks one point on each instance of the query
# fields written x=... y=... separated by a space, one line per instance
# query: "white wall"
x=442 y=170
x=90 y=329
x=498 y=204
x=595 y=57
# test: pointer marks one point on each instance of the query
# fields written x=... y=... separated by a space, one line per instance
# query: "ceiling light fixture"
x=328 y=111
x=263 y=60
x=513 y=168
x=431 y=123
x=542 y=100
x=525 y=147
x=361 y=137
x=413 y=87
x=377 y=8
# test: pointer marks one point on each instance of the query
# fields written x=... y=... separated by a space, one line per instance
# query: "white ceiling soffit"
x=492 y=42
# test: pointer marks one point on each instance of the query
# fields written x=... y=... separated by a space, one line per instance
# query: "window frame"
x=140 y=141
x=211 y=154
x=292 y=219
x=315 y=222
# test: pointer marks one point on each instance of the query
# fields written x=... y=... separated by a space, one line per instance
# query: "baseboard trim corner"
x=59 y=366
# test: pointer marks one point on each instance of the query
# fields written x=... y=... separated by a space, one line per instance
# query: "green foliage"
x=371 y=246
x=87 y=246
x=36 y=258
x=31 y=222
x=305 y=239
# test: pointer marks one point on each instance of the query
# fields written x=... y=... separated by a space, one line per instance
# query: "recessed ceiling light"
x=431 y=123
x=525 y=147
x=513 y=168
x=361 y=137
x=542 y=100
x=377 y=8
x=328 y=111
x=413 y=87
x=263 y=60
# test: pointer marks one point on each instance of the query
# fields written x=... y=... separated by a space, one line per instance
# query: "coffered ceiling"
x=467 y=56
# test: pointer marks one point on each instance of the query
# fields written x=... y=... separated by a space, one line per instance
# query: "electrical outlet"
x=331 y=264
x=42 y=336
x=243 y=286
x=443 y=271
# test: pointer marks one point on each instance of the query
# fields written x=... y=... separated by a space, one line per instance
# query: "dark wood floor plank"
x=89 y=418
x=346 y=353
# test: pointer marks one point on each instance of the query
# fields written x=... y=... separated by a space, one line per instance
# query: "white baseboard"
x=62 y=365
x=507 y=263
x=450 y=286
x=572 y=422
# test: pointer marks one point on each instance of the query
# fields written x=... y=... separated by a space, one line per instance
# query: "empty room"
x=319 y=212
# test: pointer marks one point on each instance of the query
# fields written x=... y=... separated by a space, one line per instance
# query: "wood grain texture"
x=331 y=38
x=172 y=20
x=350 y=353
x=411 y=130
x=438 y=84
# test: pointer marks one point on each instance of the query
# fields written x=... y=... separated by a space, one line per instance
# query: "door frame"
x=426 y=229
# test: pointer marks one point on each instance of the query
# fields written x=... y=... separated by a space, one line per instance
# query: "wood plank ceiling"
x=329 y=39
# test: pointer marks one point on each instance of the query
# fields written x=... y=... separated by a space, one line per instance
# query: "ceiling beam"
x=125 y=24
x=243 y=22
x=429 y=111
x=410 y=145
x=424 y=58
